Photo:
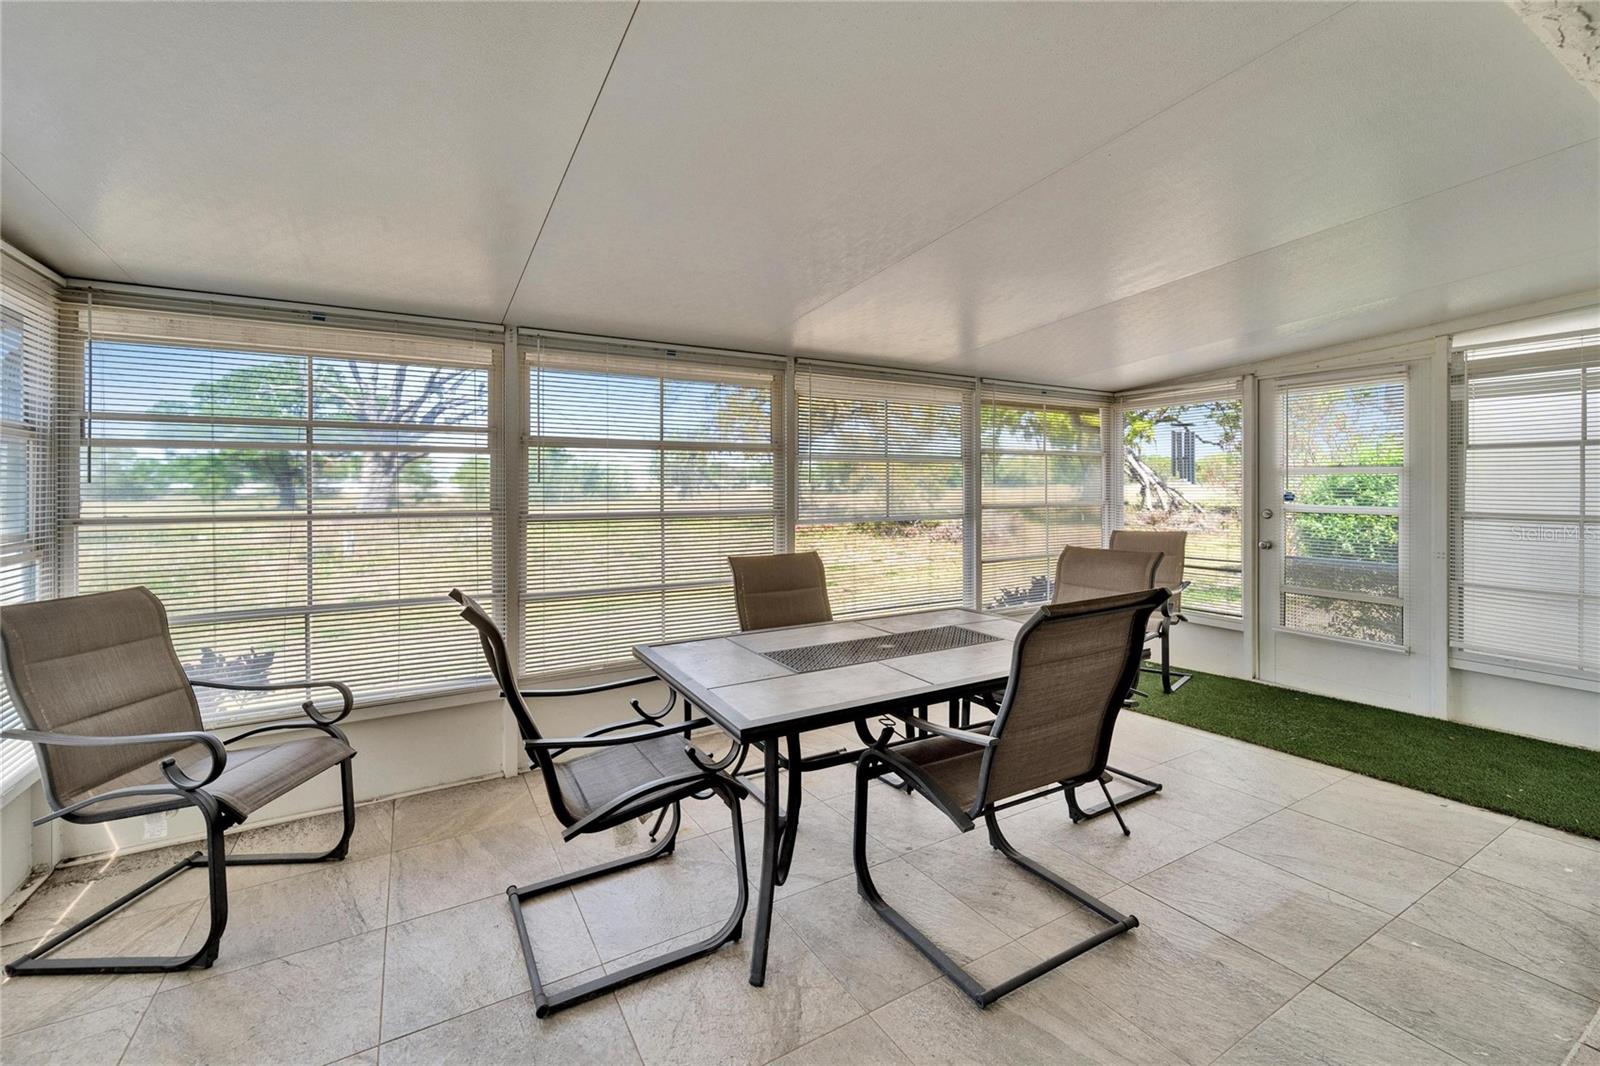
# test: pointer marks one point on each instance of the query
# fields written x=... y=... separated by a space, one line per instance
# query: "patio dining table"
x=766 y=688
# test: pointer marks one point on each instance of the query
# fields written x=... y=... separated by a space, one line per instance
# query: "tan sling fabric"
x=99 y=665
x=780 y=590
x=1091 y=573
x=1171 y=543
x=1065 y=687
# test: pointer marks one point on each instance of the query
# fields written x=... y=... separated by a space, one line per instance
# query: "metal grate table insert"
x=873 y=649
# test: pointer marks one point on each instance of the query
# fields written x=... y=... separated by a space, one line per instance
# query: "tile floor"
x=1291 y=914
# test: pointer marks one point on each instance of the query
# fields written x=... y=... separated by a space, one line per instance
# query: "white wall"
x=400 y=751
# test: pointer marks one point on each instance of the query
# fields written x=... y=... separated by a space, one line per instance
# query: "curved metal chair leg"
x=980 y=995
x=545 y=1003
x=215 y=861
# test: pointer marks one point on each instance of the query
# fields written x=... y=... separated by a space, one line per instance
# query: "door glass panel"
x=1342 y=470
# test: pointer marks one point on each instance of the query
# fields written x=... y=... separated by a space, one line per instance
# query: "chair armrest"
x=213 y=745
x=982 y=740
x=348 y=700
x=597 y=739
x=587 y=690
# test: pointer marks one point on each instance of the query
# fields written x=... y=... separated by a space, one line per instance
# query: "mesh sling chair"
x=1070 y=669
x=117 y=729
x=788 y=589
x=615 y=777
x=1169 y=575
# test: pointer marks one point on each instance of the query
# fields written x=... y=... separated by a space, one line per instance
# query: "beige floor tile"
x=1189 y=986
x=369 y=1057
x=1591 y=1035
x=477 y=865
x=1548 y=865
x=120 y=864
x=1583 y=1055
x=706 y=1011
x=1432 y=825
x=873 y=961
x=1557 y=834
x=1475 y=1007
x=1152 y=843
x=449 y=812
x=1054 y=1019
x=1013 y=900
x=860 y=1043
x=695 y=886
x=374 y=834
x=897 y=821
x=821 y=851
x=1318 y=1028
x=29 y=1002
x=1544 y=936
x=1288 y=919
x=508 y=1033
x=99 y=1036
x=1377 y=873
x=457 y=960
x=280 y=918
x=1143 y=737
x=1269 y=775
x=316 y=1006
x=1200 y=805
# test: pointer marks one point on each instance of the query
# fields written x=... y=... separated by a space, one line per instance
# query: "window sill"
x=1216 y=621
x=1539 y=673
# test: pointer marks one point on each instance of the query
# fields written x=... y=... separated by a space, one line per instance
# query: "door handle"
x=1264 y=545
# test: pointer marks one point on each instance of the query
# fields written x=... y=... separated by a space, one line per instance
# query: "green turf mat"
x=1534 y=779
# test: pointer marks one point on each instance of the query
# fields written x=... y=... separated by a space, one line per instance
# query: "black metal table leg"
x=789 y=824
x=771 y=832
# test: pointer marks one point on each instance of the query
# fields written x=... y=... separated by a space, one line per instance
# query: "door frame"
x=1426 y=367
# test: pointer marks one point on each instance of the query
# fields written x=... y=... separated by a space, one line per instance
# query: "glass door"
x=1337 y=537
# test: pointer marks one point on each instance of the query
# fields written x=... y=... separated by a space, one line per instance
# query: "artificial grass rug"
x=1547 y=783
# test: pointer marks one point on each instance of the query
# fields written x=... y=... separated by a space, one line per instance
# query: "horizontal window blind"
x=1525 y=503
x=881 y=489
x=1345 y=481
x=1183 y=469
x=1043 y=488
x=645 y=471
x=300 y=491
x=28 y=491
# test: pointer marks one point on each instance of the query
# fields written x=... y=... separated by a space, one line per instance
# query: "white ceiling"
x=1099 y=194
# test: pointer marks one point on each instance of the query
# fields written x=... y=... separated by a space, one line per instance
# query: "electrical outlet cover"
x=155 y=825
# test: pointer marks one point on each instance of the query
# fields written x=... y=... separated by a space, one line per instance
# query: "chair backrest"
x=505 y=675
x=780 y=590
x=1091 y=573
x=1171 y=543
x=1071 y=667
x=98 y=665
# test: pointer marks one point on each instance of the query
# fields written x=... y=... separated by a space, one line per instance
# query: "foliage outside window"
x=300 y=499
x=644 y=475
x=1343 y=455
x=1043 y=484
x=1183 y=470
x=880 y=481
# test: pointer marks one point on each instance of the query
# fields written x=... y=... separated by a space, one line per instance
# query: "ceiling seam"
x=564 y=170
x=1069 y=164
x=70 y=220
x=1296 y=240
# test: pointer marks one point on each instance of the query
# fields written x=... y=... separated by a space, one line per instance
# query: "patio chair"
x=1071 y=666
x=1169 y=575
x=612 y=777
x=780 y=590
x=790 y=589
x=117 y=730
